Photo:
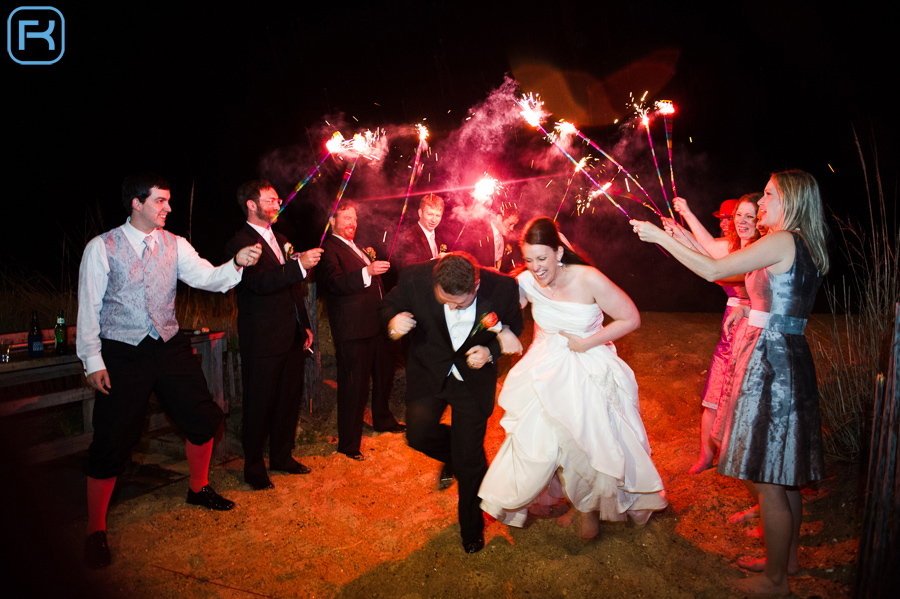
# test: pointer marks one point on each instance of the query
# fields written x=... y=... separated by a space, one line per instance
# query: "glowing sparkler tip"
x=532 y=109
x=485 y=188
x=334 y=144
x=665 y=107
x=565 y=128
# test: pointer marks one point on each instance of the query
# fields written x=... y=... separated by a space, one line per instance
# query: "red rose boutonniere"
x=488 y=321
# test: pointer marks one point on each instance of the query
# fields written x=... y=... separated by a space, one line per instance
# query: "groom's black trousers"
x=461 y=445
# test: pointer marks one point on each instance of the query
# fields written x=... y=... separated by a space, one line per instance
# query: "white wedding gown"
x=571 y=418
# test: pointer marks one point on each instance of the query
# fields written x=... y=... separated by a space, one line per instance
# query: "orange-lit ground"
x=380 y=529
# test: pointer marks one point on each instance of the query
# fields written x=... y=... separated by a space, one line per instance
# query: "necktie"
x=360 y=253
x=148 y=249
x=273 y=243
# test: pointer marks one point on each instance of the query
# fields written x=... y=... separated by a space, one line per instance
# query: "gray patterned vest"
x=138 y=296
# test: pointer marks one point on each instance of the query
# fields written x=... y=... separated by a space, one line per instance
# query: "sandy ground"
x=380 y=528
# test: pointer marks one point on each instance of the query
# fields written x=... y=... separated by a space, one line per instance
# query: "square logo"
x=35 y=35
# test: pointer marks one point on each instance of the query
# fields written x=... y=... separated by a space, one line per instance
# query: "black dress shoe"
x=209 y=499
x=292 y=467
x=96 y=551
x=259 y=484
x=354 y=456
x=475 y=545
x=445 y=478
x=397 y=428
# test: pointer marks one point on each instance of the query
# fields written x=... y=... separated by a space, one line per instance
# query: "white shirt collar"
x=428 y=234
x=136 y=237
x=261 y=230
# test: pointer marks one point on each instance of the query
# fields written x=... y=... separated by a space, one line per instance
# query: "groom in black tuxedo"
x=460 y=319
x=274 y=333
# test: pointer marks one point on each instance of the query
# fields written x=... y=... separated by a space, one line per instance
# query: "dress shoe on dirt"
x=292 y=467
x=397 y=428
x=475 y=545
x=445 y=478
x=355 y=456
x=96 y=551
x=259 y=484
x=209 y=499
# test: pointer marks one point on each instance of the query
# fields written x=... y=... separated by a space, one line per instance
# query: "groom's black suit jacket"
x=431 y=351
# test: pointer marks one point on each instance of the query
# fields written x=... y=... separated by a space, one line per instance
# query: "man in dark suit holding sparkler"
x=274 y=332
x=353 y=289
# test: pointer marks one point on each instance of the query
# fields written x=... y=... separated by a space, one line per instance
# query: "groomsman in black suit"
x=493 y=244
x=420 y=243
x=275 y=334
x=353 y=289
x=460 y=319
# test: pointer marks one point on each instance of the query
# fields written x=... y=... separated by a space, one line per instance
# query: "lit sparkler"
x=330 y=146
x=484 y=190
x=578 y=167
x=347 y=174
x=645 y=120
x=533 y=113
x=482 y=193
x=423 y=144
x=666 y=108
x=563 y=127
x=370 y=145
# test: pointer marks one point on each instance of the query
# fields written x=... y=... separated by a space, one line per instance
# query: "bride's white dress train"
x=573 y=416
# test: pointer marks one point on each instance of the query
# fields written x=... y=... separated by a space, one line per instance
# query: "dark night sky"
x=204 y=96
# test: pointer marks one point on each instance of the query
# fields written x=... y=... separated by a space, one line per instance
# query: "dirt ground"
x=380 y=528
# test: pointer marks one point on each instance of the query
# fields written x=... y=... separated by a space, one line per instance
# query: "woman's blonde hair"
x=802 y=209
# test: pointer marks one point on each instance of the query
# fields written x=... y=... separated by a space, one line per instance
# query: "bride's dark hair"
x=543 y=231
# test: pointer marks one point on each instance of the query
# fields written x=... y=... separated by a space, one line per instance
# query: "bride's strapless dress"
x=572 y=419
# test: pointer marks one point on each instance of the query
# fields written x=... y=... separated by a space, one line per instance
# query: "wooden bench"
x=21 y=370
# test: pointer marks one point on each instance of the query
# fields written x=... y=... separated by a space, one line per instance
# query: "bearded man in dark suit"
x=274 y=332
x=353 y=289
x=460 y=319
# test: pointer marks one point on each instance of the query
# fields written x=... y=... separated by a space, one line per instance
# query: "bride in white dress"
x=572 y=418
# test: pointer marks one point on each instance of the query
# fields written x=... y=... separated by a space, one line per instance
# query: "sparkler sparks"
x=533 y=113
x=330 y=146
x=423 y=144
x=665 y=107
x=371 y=144
x=532 y=110
x=483 y=193
x=565 y=129
x=484 y=190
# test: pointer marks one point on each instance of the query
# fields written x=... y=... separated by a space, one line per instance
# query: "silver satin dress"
x=773 y=433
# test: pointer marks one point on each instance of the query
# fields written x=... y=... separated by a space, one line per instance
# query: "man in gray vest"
x=128 y=340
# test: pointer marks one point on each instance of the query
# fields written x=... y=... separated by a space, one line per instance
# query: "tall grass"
x=859 y=348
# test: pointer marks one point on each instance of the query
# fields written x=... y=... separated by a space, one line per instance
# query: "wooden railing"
x=22 y=371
